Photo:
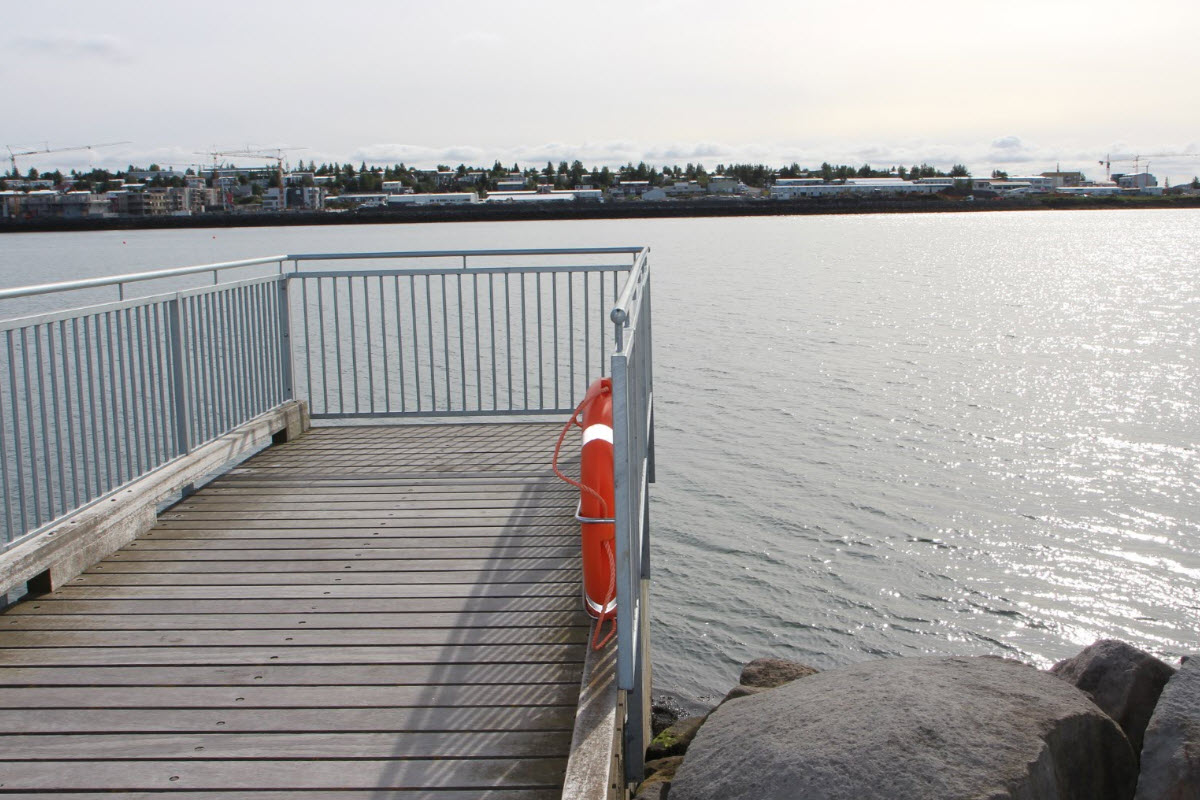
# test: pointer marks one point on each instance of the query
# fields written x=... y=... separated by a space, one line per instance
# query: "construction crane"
x=276 y=155
x=1136 y=160
x=45 y=148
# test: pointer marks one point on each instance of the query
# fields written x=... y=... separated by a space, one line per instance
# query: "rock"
x=674 y=741
x=665 y=711
x=767 y=673
x=1124 y=681
x=912 y=729
x=663 y=768
x=742 y=691
x=1171 y=753
x=653 y=789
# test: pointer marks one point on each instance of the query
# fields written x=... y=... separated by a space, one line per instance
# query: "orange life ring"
x=597 y=505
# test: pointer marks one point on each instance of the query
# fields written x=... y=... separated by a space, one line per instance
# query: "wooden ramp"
x=364 y=613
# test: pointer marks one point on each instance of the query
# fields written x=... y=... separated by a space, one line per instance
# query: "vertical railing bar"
x=570 y=340
x=96 y=386
x=337 y=346
x=524 y=349
x=353 y=343
x=9 y=528
x=446 y=344
x=324 y=350
x=240 y=306
x=52 y=353
x=86 y=458
x=19 y=460
x=128 y=402
x=383 y=332
x=229 y=368
x=587 y=333
x=508 y=353
x=429 y=338
x=416 y=338
x=250 y=352
x=570 y=336
x=117 y=412
x=369 y=336
x=149 y=421
x=180 y=396
x=492 y=335
x=162 y=437
x=462 y=341
x=478 y=360
x=284 y=341
x=308 y=359
x=228 y=350
x=264 y=306
x=399 y=341
x=541 y=358
x=41 y=393
x=211 y=367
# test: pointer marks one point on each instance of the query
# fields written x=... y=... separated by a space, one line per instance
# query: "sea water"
x=879 y=434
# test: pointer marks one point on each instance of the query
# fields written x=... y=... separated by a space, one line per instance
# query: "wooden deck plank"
x=311 y=774
x=286 y=720
x=332 y=655
x=360 y=613
x=207 y=746
x=448 y=580
x=289 y=675
x=95 y=590
x=214 y=698
x=51 y=612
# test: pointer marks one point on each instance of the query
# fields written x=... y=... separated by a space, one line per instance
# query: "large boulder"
x=767 y=673
x=912 y=729
x=1124 y=681
x=1171 y=753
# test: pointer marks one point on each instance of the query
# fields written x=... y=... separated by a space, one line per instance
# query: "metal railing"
x=94 y=398
x=633 y=456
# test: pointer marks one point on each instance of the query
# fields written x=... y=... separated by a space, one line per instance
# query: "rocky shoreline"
x=1112 y=723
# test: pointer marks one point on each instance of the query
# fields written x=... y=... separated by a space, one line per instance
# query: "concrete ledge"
x=80 y=539
x=593 y=770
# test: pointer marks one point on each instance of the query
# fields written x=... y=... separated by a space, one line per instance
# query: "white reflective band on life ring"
x=594 y=432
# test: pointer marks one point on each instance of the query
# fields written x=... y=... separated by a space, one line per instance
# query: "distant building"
x=510 y=184
x=360 y=200
x=630 y=188
x=546 y=196
x=442 y=179
x=1137 y=180
x=396 y=187
x=803 y=187
x=1061 y=179
x=722 y=184
x=441 y=199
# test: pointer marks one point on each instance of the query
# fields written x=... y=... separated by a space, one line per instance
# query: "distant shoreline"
x=638 y=209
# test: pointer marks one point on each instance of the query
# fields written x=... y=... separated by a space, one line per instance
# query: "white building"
x=510 y=185
x=361 y=200
x=431 y=199
x=722 y=184
x=547 y=196
x=396 y=187
x=804 y=187
x=630 y=188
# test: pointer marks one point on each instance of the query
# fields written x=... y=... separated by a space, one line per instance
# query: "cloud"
x=82 y=47
x=478 y=38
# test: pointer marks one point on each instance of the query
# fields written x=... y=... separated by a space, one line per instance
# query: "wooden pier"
x=364 y=612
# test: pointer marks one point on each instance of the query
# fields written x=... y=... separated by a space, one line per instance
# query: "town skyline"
x=1038 y=86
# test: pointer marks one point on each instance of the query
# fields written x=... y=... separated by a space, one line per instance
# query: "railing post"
x=285 y=339
x=182 y=401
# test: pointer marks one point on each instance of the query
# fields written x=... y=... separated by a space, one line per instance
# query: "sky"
x=1020 y=85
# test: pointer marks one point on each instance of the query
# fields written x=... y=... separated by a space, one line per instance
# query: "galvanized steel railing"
x=453 y=340
x=633 y=456
x=93 y=398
